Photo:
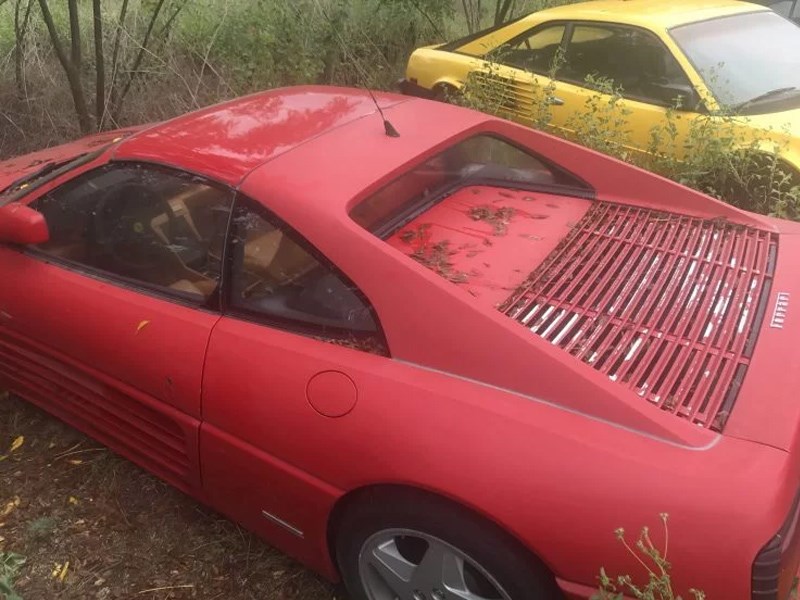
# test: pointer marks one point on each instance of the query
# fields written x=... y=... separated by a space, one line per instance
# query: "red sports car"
x=444 y=364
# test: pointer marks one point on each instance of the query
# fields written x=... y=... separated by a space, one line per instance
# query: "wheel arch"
x=392 y=490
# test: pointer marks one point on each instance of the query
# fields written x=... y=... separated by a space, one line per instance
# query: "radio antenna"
x=388 y=128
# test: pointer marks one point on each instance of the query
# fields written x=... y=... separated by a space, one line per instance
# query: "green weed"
x=10 y=564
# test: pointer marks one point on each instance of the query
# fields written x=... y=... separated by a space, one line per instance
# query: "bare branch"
x=75 y=33
x=100 y=67
x=72 y=67
x=137 y=61
x=54 y=38
x=123 y=12
x=20 y=33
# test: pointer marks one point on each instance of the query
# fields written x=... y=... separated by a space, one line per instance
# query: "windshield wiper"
x=766 y=96
x=40 y=172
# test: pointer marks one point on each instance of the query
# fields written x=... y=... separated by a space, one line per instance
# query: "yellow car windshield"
x=749 y=61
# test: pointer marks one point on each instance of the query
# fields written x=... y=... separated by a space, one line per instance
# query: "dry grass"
x=123 y=533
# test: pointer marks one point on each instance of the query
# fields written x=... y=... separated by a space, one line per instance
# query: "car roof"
x=652 y=14
x=229 y=140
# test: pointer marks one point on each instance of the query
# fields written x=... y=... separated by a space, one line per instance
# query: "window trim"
x=229 y=309
x=454 y=45
x=533 y=31
x=582 y=84
x=212 y=303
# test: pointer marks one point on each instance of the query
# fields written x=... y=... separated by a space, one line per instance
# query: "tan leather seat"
x=202 y=288
x=275 y=256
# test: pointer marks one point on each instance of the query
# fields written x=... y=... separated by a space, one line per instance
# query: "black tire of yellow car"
x=444 y=92
x=520 y=574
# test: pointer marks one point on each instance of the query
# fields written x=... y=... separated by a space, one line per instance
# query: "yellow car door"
x=514 y=78
x=600 y=56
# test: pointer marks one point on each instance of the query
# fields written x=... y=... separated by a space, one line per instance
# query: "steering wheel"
x=122 y=230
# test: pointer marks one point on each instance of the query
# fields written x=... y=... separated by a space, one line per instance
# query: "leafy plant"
x=10 y=564
x=659 y=583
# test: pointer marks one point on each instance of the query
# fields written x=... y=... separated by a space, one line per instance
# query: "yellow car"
x=702 y=56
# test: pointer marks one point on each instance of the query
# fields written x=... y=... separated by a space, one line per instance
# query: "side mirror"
x=685 y=96
x=20 y=224
x=690 y=100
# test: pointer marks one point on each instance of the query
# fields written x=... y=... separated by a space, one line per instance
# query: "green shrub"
x=743 y=168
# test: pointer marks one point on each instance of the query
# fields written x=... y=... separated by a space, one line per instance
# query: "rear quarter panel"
x=558 y=481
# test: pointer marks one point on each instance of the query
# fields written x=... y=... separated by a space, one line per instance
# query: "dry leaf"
x=15 y=445
x=75 y=461
x=142 y=325
x=60 y=571
x=73 y=500
x=9 y=507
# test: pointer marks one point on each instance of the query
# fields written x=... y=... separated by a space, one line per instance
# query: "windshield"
x=785 y=8
x=480 y=159
x=746 y=57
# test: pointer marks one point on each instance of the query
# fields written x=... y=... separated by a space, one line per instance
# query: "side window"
x=632 y=59
x=156 y=227
x=278 y=278
x=533 y=51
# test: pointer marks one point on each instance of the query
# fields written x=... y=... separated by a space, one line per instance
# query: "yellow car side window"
x=629 y=58
x=536 y=52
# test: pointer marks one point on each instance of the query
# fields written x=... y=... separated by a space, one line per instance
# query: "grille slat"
x=662 y=303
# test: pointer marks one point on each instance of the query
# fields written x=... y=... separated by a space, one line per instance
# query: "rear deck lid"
x=667 y=306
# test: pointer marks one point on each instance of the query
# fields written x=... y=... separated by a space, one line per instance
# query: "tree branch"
x=99 y=62
x=72 y=68
x=137 y=61
x=75 y=33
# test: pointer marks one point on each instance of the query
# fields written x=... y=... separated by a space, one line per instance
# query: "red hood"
x=20 y=166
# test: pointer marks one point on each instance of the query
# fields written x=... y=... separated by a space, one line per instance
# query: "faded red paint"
x=490 y=239
x=469 y=405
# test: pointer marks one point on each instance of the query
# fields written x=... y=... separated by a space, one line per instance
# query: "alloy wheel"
x=403 y=564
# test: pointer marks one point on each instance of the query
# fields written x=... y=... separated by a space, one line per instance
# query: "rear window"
x=482 y=159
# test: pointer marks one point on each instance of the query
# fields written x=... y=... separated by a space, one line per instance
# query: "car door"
x=516 y=81
x=601 y=56
x=289 y=358
x=107 y=323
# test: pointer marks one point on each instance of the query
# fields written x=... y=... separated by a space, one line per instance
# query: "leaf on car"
x=142 y=325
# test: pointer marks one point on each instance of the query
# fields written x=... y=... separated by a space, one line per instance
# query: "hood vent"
x=667 y=305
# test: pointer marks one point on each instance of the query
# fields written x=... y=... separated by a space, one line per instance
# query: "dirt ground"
x=94 y=526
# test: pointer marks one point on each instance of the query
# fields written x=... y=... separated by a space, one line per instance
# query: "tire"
x=444 y=92
x=405 y=529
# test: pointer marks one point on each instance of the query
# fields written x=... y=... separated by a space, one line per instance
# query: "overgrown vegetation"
x=658 y=585
x=10 y=564
x=712 y=154
x=70 y=66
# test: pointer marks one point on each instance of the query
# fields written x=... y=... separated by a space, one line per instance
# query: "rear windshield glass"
x=481 y=159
